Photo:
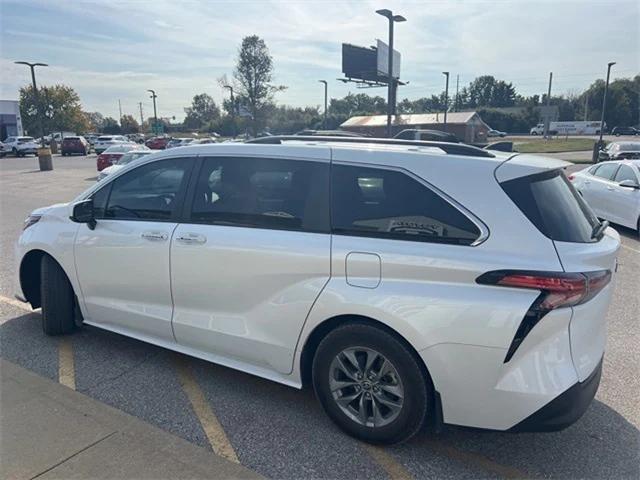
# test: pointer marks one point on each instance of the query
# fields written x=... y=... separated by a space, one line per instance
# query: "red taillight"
x=557 y=289
x=571 y=177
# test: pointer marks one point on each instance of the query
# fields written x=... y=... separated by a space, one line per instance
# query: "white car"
x=21 y=146
x=496 y=133
x=179 y=142
x=620 y=151
x=126 y=159
x=400 y=290
x=612 y=190
x=105 y=141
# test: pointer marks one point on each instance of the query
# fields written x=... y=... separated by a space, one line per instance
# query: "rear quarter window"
x=551 y=203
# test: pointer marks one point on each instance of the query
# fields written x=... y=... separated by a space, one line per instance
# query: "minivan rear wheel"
x=370 y=384
x=58 y=299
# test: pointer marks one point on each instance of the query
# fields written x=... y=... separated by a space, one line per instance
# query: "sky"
x=116 y=50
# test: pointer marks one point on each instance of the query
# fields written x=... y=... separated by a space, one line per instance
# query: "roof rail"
x=451 y=148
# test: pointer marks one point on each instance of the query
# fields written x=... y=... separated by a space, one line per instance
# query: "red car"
x=112 y=154
x=71 y=145
x=157 y=143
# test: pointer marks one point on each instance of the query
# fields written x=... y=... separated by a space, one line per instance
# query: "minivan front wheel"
x=370 y=384
x=58 y=299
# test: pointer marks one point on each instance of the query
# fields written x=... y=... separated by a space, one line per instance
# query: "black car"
x=617 y=131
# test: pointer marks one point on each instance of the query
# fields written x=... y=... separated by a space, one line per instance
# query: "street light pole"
x=390 y=80
x=36 y=95
x=324 y=123
x=155 y=112
x=604 y=100
x=547 y=120
x=446 y=99
x=233 y=109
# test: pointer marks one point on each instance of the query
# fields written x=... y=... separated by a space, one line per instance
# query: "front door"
x=123 y=264
x=252 y=258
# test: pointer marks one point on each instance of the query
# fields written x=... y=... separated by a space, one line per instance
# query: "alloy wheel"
x=366 y=386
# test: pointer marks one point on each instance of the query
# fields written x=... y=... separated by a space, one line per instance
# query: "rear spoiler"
x=522 y=165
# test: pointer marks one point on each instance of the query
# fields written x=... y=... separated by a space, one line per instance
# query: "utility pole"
x=547 y=119
x=457 y=85
x=155 y=112
x=36 y=96
x=141 y=115
x=120 y=110
x=233 y=109
x=324 y=122
x=390 y=80
x=604 y=100
x=446 y=99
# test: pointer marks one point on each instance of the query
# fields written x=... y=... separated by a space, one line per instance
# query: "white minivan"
x=406 y=282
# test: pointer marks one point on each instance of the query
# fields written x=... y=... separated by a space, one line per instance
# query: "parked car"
x=105 y=141
x=179 y=142
x=21 y=146
x=71 y=145
x=135 y=137
x=125 y=159
x=401 y=290
x=91 y=138
x=496 y=133
x=617 y=131
x=612 y=190
x=113 y=154
x=157 y=143
x=427 y=135
x=204 y=141
x=619 y=151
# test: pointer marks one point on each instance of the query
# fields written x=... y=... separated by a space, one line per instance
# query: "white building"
x=10 y=121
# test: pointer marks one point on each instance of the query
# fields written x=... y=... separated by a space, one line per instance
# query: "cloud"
x=118 y=49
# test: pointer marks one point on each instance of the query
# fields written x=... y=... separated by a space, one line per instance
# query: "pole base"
x=45 y=159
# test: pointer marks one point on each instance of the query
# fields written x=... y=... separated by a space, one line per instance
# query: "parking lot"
x=281 y=432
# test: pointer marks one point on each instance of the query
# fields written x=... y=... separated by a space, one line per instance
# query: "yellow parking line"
x=389 y=464
x=629 y=248
x=210 y=424
x=66 y=367
x=16 y=303
x=475 y=460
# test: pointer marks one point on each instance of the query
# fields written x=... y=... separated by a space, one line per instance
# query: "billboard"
x=383 y=60
x=359 y=62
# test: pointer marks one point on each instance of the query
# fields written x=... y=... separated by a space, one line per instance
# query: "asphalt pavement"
x=281 y=432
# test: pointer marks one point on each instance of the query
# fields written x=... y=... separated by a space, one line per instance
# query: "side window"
x=607 y=170
x=148 y=192
x=625 y=173
x=263 y=193
x=100 y=201
x=382 y=203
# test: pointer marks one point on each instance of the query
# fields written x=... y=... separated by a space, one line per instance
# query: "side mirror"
x=83 y=213
x=629 y=184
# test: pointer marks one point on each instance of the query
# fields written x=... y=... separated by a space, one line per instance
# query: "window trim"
x=482 y=227
x=185 y=214
x=615 y=172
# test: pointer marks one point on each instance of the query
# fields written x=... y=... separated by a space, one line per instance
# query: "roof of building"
x=453 y=118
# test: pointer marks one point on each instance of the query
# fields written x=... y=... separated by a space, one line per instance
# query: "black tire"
x=58 y=299
x=417 y=387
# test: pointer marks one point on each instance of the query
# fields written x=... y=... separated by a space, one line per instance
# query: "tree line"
x=254 y=109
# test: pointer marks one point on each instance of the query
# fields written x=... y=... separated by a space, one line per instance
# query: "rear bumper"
x=565 y=409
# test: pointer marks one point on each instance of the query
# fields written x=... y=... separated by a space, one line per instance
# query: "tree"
x=128 y=124
x=110 y=125
x=59 y=108
x=96 y=121
x=254 y=73
x=203 y=110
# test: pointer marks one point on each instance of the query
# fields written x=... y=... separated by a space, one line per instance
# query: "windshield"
x=629 y=147
x=130 y=157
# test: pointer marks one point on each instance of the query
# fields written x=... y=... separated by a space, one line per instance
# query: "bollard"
x=44 y=158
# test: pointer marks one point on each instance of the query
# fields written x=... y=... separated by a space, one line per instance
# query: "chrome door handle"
x=154 y=236
x=192 y=238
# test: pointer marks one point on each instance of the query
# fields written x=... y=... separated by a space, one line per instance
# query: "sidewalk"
x=51 y=431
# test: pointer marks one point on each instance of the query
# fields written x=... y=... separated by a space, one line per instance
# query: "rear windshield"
x=552 y=204
x=104 y=139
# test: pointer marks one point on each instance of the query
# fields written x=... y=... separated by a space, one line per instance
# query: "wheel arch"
x=30 y=275
x=324 y=328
